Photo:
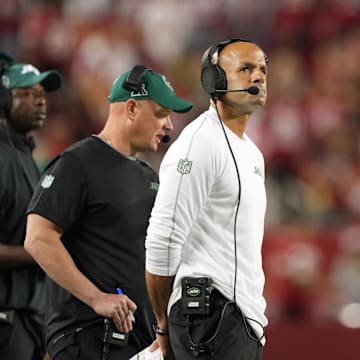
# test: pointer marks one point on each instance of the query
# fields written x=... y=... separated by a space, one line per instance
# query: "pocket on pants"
x=200 y=327
x=7 y=324
x=64 y=346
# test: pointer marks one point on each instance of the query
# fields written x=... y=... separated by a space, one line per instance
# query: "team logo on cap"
x=184 y=166
x=29 y=68
x=142 y=92
x=167 y=83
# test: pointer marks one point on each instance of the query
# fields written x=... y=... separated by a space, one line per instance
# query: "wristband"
x=160 y=331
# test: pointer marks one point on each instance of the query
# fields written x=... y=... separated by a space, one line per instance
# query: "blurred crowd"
x=309 y=131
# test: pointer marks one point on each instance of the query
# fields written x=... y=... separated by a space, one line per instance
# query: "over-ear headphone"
x=213 y=76
x=133 y=81
x=5 y=93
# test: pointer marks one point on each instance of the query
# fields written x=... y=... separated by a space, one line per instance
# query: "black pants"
x=232 y=341
x=87 y=345
x=20 y=339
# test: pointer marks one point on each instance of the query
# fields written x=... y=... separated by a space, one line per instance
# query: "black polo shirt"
x=102 y=200
x=18 y=176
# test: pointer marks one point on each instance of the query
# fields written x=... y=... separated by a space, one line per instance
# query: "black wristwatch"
x=158 y=330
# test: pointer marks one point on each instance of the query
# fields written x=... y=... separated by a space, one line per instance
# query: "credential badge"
x=47 y=181
x=184 y=166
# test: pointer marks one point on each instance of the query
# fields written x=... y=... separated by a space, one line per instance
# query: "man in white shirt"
x=203 y=248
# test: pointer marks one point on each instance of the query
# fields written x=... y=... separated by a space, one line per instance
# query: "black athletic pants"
x=232 y=341
x=87 y=345
x=20 y=338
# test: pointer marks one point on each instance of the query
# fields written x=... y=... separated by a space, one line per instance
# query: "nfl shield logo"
x=47 y=181
x=184 y=166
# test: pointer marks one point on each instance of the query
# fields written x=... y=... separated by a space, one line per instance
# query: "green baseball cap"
x=151 y=86
x=24 y=75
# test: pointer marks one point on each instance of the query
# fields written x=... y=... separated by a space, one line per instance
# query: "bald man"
x=203 y=247
x=87 y=221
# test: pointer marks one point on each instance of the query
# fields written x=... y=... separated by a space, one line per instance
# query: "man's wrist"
x=160 y=331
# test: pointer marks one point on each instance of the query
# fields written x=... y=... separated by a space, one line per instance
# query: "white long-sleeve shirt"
x=191 y=230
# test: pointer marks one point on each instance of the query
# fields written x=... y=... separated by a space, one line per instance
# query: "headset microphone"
x=253 y=90
x=165 y=139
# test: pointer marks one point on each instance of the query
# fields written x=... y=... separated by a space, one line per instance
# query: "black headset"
x=133 y=81
x=5 y=93
x=213 y=76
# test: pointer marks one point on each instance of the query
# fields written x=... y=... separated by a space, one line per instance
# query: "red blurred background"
x=308 y=131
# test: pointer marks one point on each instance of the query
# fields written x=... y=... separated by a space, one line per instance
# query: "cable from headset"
x=238 y=197
x=201 y=346
x=106 y=345
x=245 y=318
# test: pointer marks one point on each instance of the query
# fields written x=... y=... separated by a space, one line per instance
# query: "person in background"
x=22 y=110
x=87 y=222
x=203 y=247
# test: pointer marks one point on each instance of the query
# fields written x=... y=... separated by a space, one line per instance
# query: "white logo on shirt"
x=258 y=171
x=184 y=166
x=47 y=181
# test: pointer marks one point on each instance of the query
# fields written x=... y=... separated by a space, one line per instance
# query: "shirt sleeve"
x=6 y=184
x=187 y=174
x=2 y=187
x=61 y=192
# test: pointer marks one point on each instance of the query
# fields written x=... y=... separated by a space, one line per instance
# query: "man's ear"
x=132 y=107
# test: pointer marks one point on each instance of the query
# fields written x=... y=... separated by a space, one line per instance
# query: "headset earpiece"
x=213 y=76
x=133 y=81
x=5 y=93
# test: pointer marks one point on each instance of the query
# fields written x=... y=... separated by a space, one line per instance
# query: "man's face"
x=28 y=110
x=151 y=124
x=245 y=66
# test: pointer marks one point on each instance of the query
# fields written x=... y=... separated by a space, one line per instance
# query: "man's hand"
x=154 y=346
x=117 y=307
x=164 y=344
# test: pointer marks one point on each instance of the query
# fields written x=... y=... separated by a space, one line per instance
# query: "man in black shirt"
x=22 y=110
x=87 y=222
